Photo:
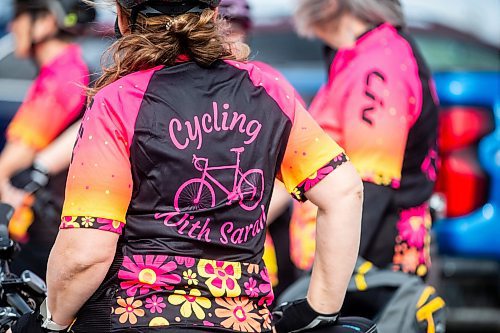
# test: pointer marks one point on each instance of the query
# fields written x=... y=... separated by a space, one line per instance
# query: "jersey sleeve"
x=377 y=116
x=323 y=110
x=310 y=155
x=52 y=104
x=99 y=186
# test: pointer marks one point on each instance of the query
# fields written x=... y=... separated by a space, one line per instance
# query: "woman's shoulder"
x=276 y=85
x=390 y=51
x=130 y=86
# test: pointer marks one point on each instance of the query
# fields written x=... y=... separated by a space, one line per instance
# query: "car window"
x=284 y=47
x=444 y=54
x=13 y=68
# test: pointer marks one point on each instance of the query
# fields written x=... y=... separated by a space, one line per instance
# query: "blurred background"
x=461 y=41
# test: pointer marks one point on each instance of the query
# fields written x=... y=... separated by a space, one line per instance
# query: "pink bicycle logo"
x=198 y=193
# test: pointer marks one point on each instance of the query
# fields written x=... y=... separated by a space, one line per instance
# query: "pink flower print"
x=111 y=225
x=266 y=288
x=395 y=183
x=146 y=273
x=339 y=158
x=317 y=177
x=208 y=324
x=251 y=288
x=222 y=277
x=429 y=164
x=412 y=226
x=186 y=261
x=155 y=304
x=69 y=222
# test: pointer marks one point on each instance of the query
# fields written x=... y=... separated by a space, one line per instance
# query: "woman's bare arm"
x=339 y=197
x=280 y=201
x=56 y=157
x=15 y=156
x=77 y=266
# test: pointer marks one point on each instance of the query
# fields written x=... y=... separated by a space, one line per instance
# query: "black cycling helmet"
x=167 y=7
x=150 y=8
x=71 y=15
x=129 y=4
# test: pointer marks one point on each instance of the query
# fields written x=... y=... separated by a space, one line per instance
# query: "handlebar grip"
x=18 y=303
x=6 y=212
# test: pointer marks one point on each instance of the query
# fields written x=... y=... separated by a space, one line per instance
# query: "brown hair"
x=161 y=40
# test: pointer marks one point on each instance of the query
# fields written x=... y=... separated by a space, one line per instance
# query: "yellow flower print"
x=87 y=221
x=296 y=193
x=222 y=277
x=190 y=276
x=158 y=321
x=192 y=302
x=129 y=310
x=68 y=222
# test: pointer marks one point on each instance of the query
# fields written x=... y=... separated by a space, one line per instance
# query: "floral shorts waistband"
x=160 y=290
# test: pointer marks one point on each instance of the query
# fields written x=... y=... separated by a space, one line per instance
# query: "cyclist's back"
x=220 y=163
x=222 y=129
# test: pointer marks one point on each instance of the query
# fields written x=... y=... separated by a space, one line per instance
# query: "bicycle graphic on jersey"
x=199 y=193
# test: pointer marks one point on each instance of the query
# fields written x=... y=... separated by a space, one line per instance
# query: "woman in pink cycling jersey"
x=379 y=103
x=164 y=220
x=43 y=33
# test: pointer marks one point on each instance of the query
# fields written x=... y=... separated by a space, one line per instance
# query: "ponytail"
x=161 y=40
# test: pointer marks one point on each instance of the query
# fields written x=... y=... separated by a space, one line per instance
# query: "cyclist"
x=277 y=246
x=136 y=253
x=42 y=30
x=380 y=104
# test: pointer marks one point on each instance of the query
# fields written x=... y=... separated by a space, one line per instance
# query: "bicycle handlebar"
x=18 y=295
x=6 y=212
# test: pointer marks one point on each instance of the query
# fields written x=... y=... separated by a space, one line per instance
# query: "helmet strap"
x=118 y=33
x=133 y=18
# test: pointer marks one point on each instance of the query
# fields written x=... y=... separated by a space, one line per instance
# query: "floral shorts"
x=180 y=292
x=412 y=249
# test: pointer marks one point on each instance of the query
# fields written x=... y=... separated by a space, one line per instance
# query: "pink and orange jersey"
x=181 y=162
x=380 y=105
x=54 y=101
x=376 y=93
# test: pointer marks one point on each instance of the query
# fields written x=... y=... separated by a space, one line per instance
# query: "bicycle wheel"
x=189 y=198
x=251 y=189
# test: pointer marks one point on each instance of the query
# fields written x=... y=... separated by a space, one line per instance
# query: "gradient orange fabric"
x=54 y=101
x=309 y=149
x=100 y=181
x=370 y=103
